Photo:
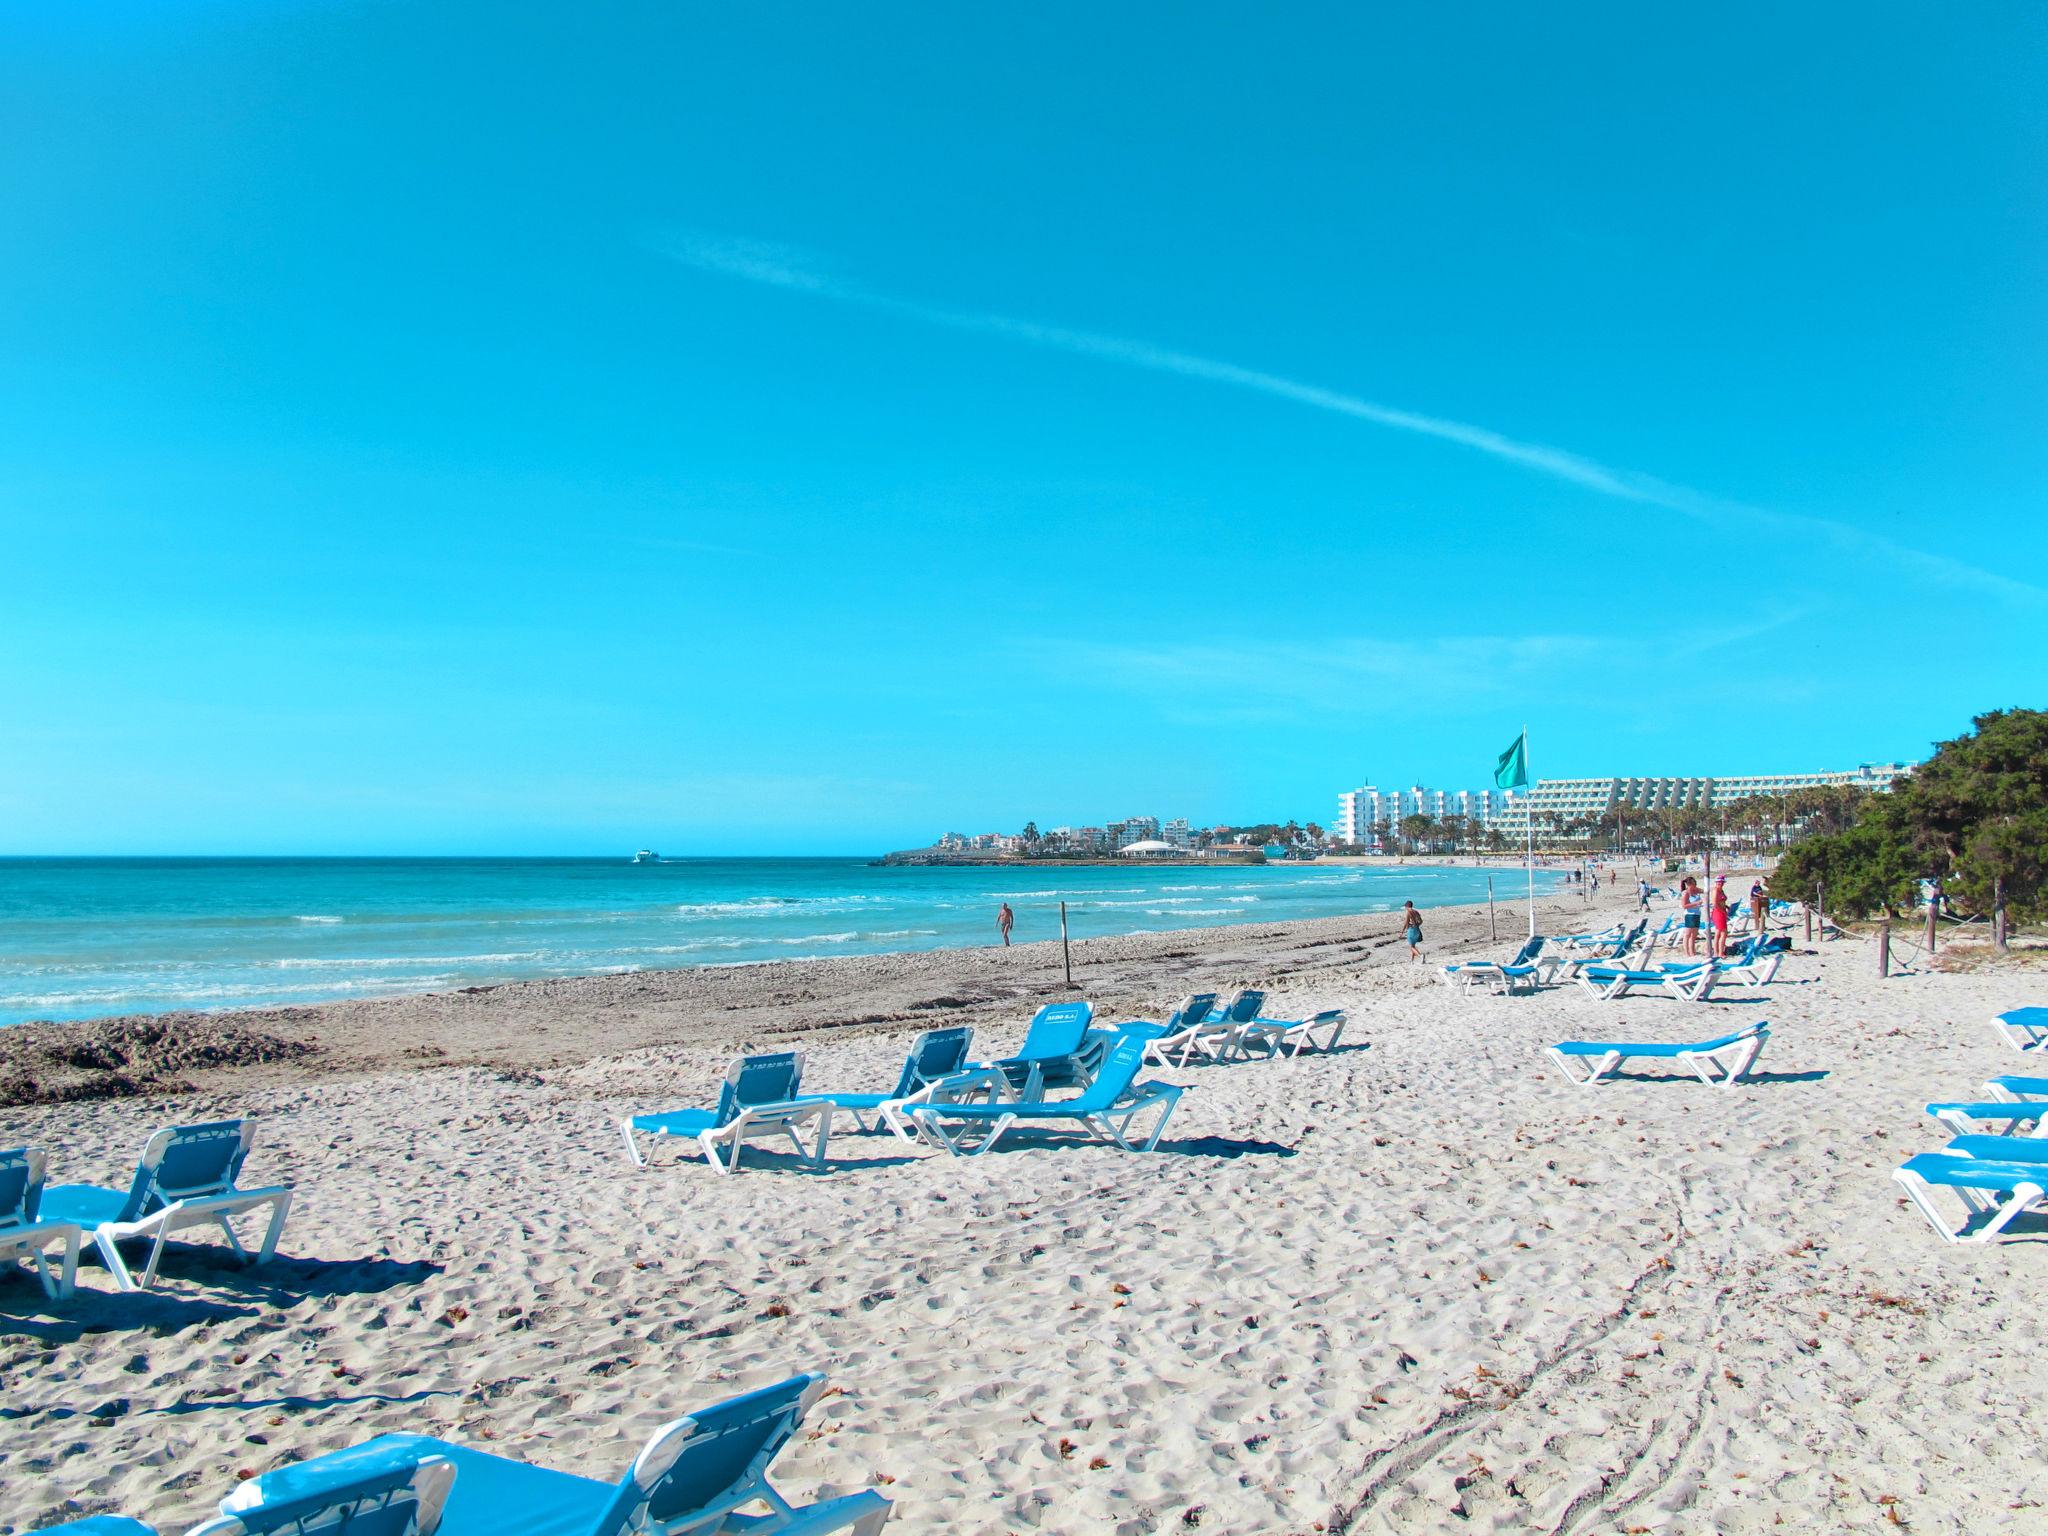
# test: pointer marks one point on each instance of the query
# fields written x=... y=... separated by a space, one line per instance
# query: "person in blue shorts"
x=1411 y=929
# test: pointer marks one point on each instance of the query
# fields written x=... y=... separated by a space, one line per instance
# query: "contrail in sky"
x=779 y=266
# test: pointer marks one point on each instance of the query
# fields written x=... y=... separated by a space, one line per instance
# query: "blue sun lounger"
x=1499 y=975
x=99 y=1525
x=2011 y=1087
x=184 y=1178
x=759 y=1097
x=1290 y=1037
x=373 y=1490
x=23 y=1232
x=1731 y=1055
x=2000 y=1149
x=1692 y=982
x=935 y=1056
x=2004 y=1116
x=2024 y=1029
x=1055 y=1052
x=1105 y=1110
x=1992 y=1189
x=1187 y=1031
x=692 y=1478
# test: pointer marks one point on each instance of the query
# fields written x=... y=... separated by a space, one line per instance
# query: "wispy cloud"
x=780 y=266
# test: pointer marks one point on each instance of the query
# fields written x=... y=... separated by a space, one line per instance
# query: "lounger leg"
x=234 y=1242
x=1921 y=1195
x=814 y=1156
x=280 y=1208
x=116 y=1265
x=2025 y=1198
x=156 y=1255
x=40 y=1263
x=995 y=1133
x=708 y=1140
x=1594 y=1073
x=632 y=1151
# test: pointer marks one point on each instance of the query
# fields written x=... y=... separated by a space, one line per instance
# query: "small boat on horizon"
x=646 y=856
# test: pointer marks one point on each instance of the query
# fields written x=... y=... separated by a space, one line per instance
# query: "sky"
x=463 y=428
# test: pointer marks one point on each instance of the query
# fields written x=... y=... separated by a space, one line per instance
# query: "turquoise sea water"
x=81 y=938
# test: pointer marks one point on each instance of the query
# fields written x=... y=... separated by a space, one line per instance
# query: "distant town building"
x=1177 y=833
x=1133 y=829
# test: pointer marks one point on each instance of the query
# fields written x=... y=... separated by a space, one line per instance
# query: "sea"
x=85 y=938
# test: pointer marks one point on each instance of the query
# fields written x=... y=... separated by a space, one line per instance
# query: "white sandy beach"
x=1419 y=1285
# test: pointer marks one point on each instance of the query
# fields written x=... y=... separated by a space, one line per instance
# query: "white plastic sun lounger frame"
x=1112 y=1125
x=2025 y=1189
x=1188 y=1037
x=2026 y=1033
x=784 y=1115
x=751 y=1122
x=1290 y=1037
x=975 y=1085
x=1732 y=1058
x=32 y=1240
x=210 y=1205
x=1691 y=983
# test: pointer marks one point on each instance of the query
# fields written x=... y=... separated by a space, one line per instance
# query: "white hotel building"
x=1361 y=812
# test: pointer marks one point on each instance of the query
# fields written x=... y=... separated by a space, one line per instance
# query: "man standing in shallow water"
x=1004 y=919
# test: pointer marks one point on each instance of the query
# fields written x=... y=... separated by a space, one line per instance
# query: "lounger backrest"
x=1119 y=1070
x=702 y=1466
x=187 y=1161
x=99 y=1525
x=1760 y=1030
x=935 y=1054
x=384 y=1488
x=1055 y=1031
x=1193 y=1009
x=1244 y=1008
x=756 y=1080
x=1528 y=951
x=21 y=1186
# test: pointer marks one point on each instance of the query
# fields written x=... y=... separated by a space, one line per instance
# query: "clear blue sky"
x=502 y=428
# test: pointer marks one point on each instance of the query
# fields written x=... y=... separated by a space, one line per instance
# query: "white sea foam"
x=317 y=919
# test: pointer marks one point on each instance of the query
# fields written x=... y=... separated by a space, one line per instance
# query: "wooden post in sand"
x=1492 y=932
x=1807 y=908
x=1933 y=912
x=1820 y=896
x=1884 y=948
x=1066 y=955
x=1998 y=914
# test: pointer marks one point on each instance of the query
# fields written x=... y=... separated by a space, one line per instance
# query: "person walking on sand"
x=1717 y=941
x=1411 y=929
x=1690 y=901
x=1759 y=906
x=1642 y=894
x=1004 y=920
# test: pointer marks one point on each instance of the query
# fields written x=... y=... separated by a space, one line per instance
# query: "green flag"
x=1512 y=771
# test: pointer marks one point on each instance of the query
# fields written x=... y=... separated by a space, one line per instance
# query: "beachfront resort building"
x=1363 y=813
x=1558 y=802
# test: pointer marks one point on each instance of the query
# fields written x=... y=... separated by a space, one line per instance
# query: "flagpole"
x=1532 y=837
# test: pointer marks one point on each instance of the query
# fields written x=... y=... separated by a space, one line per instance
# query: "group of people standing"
x=1717 y=910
